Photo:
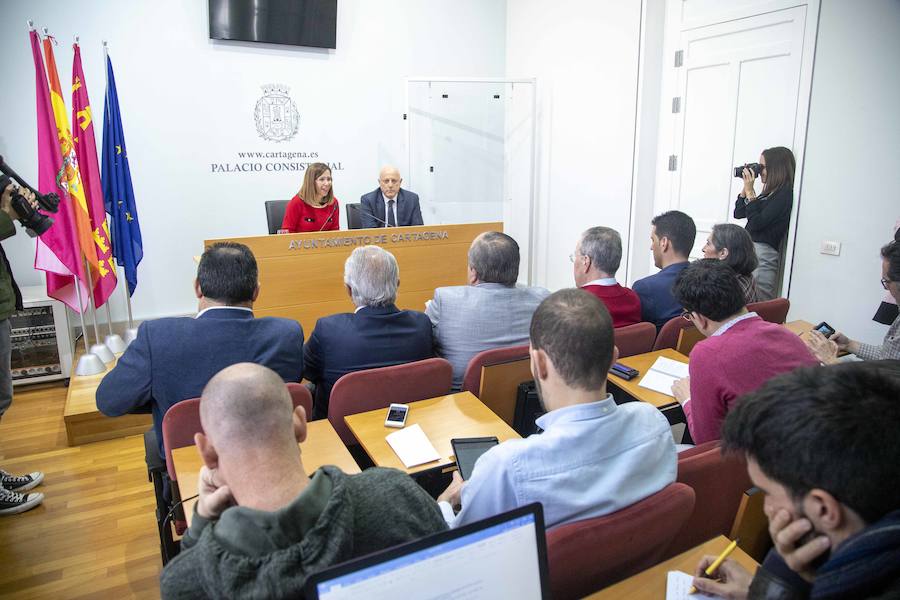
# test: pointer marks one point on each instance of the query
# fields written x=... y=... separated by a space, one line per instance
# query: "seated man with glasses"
x=741 y=351
x=826 y=350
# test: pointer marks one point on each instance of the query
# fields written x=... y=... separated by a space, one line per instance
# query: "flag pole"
x=113 y=341
x=99 y=348
x=89 y=363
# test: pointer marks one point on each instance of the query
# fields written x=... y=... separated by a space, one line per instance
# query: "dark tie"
x=391 y=221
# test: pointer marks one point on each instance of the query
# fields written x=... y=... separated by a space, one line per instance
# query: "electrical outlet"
x=832 y=248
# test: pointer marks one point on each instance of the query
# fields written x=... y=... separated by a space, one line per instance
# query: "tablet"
x=467 y=451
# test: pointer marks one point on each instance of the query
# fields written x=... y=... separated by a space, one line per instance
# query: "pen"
x=716 y=563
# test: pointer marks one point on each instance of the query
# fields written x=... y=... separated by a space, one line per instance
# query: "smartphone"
x=467 y=451
x=825 y=329
x=396 y=415
x=623 y=371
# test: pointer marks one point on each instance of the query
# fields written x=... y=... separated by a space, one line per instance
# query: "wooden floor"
x=95 y=534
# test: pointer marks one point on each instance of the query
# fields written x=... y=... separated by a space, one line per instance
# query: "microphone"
x=329 y=217
x=360 y=211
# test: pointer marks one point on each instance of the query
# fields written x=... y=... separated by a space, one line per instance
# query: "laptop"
x=501 y=557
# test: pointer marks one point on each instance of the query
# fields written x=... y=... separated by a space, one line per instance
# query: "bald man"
x=262 y=525
x=390 y=205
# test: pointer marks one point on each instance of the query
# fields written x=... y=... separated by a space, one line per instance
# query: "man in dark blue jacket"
x=672 y=236
x=377 y=334
x=390 y=205
x=173 y=358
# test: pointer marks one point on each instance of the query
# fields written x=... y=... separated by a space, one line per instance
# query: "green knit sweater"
x=249 y=553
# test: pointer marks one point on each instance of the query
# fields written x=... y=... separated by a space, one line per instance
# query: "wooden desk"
x=322 y=447
x=643 y=362
x=651 y=584
x=799 y=327
x=301 y=275
x=84 y=423
x=442 y=419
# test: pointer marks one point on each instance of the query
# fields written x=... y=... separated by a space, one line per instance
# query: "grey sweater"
x=249 y=553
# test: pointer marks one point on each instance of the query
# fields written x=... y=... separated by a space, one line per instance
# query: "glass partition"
x=471 y=153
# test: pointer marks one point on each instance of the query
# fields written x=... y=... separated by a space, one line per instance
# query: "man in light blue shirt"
x=594 y=457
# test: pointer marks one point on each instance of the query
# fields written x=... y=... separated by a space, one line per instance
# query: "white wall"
x=584 y=54
x=188 y=102
x=851 y=173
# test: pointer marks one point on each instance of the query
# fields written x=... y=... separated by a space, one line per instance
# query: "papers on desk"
x=412 y=446
x=663 y=374
x=678 y=585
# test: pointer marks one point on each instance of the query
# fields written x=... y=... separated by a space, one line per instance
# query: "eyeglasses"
x=886 y=282
x=573 y=256
x=686 y=314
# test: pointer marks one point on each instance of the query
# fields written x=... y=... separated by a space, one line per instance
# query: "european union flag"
x=118 y=194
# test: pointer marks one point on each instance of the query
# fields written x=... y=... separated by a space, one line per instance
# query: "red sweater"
x=300 y=217
x=624 y=304
x=724 y=367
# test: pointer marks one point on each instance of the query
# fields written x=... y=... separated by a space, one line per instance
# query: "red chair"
x=300 y=396
x=635 y=339
x=179 y=425
x=773 y=311
x=668 y=335
x=719 y=483
x=472 y=378
x=378 y=388
x=586 y=556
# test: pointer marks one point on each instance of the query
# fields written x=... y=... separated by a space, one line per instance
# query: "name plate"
x=382 y=239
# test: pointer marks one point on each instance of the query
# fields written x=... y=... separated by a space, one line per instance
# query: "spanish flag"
x=89 y=166
x=72 y=175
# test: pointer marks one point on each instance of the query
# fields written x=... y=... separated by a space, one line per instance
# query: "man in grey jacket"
x=491 y=312
x=262 y=525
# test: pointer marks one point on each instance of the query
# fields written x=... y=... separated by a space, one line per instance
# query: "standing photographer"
x=768 y=215
x=12 y=500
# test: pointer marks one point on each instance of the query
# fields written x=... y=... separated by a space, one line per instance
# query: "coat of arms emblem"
x=276 y=115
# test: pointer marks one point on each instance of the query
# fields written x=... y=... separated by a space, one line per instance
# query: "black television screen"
x=293 y=22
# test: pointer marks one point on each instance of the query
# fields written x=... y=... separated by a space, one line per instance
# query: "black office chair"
x=162 y=490
x=354 y=215
x=275 y=214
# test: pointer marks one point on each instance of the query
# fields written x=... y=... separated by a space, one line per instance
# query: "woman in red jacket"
x=314 y=207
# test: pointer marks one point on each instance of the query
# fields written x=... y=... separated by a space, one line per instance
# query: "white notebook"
x=663 y=374
x=412 y=446
x=678 y=584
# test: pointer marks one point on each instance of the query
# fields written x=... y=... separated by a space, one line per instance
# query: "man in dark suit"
x=390 y=205
x=173 y=358
x=376 y=334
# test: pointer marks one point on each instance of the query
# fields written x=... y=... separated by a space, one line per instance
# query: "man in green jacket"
x=261 y=524
x=12 y=500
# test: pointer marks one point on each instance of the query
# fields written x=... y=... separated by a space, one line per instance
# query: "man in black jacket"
x=12 y=500
x=821 y=444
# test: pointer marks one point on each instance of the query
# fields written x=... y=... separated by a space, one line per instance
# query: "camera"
x=29 y=217
x=755 y=168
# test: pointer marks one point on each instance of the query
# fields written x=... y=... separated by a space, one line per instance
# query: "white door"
x=742 y=86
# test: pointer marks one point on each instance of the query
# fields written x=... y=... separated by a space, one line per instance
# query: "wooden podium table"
x=301 y=275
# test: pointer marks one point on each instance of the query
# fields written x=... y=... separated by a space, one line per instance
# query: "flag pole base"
x=103 y=353
x=89 y=364
x=115 y=343
x=130 y=335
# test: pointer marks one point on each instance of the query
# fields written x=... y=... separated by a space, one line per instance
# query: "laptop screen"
x=501 y=557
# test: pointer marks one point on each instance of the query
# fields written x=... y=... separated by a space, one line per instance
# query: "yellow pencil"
x=716 y=563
